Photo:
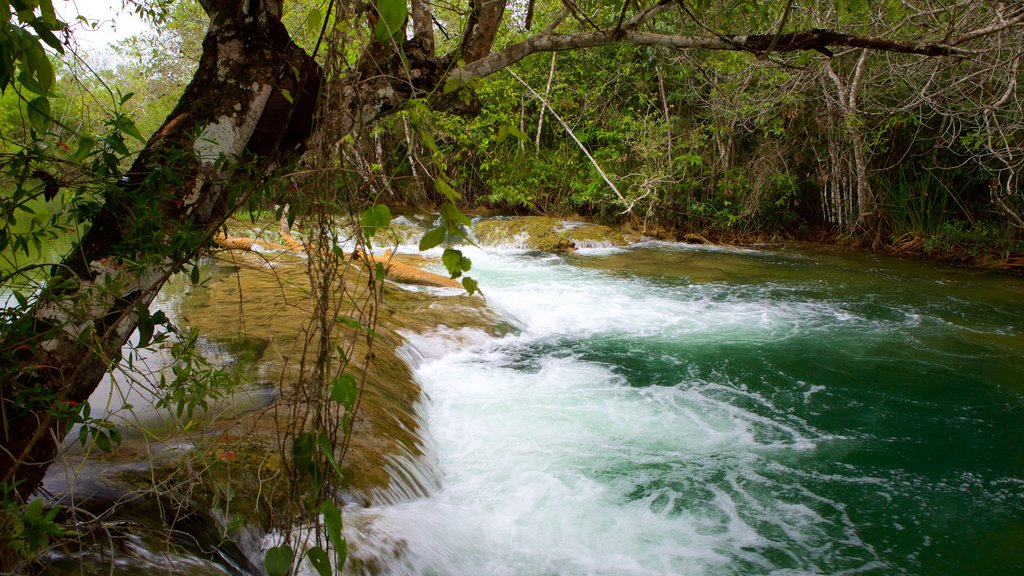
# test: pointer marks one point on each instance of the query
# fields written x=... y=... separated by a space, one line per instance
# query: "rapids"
x=666 y=409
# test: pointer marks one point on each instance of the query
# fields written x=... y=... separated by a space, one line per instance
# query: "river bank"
x=202 y=494
x=221 y=482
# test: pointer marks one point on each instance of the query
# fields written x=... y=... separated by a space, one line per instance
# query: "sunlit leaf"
x=39 y=113
x=446 y=190
x=375 y=218
x=455 y=262
x=314 y=21
x=391 y=21
x=432 y=238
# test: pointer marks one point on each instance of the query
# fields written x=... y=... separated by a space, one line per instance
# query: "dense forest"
x=916 y=154
x=893 y=125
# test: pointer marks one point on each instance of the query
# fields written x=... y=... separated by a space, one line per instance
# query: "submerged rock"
x=545 y=234
x=232 y=471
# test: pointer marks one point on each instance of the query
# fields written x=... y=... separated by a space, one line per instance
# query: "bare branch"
x=529 y=15
x=650 y=13
x=1018 y=19
x=622 y=15
x=579 y=14
x=782 y=24
x=583 y=148
x=550 y=28
x=793 y=42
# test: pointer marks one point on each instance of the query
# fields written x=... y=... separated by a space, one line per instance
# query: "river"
x=666 y=409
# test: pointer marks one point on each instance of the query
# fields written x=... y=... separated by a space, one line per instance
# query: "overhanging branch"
x=793 y=42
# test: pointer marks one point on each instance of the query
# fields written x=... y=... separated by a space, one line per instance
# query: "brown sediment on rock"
x=286 y=236
x=405 y=273
x=395 y=270
x=693 y=238
x=272 y=304
x=243 y=243
x=546 y=234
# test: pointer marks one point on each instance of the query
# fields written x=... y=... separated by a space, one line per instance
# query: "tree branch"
x=1018 y=19
x=481 y=28
x=792 y=42
x=423 y=24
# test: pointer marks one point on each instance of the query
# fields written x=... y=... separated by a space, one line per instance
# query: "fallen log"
x=242 y=243
x=395 y=270
x=404 y=273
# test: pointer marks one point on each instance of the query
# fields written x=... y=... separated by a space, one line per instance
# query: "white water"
x=551 y=462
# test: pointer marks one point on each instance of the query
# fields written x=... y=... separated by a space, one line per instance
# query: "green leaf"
x=116 y=142
x=446 y=190
x=391 y=23
x=49 y=15
x=314 y=21
x=34 y=508
x=39 y=66
x=32 y=85
x=432 y=238
x=344 y=390
x=278 y=560
x=455 y=262
x=115 y=436
x=48 y=36
x=102 y=441
x=320 y=560
x=351 y=323
x=126 y=125
x=287 y=96
x=85 y=146
x=374 y=219
x=470 y=285
x=328 y=451
x=381 y=272
x=303 y=447
x=451 y=214
x=332 y=522
x=145 y=325
x=194 y=275
x=39 y=113
x=506 y=131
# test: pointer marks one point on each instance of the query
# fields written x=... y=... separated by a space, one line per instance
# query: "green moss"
x=531 y=232
x=546 y=234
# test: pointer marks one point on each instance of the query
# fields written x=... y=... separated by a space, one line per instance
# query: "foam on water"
x=553 y=462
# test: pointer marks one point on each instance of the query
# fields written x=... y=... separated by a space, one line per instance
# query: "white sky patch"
x=113 y=22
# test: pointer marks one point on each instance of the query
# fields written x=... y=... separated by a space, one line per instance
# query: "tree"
x=254 y=103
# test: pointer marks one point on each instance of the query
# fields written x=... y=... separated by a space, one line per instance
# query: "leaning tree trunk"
x=249 y=108
x=181 y=188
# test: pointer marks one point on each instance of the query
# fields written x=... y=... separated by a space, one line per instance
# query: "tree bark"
x=179 y=190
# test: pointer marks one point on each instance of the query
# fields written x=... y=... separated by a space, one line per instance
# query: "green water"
x=915 y=392
x=667 y=410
